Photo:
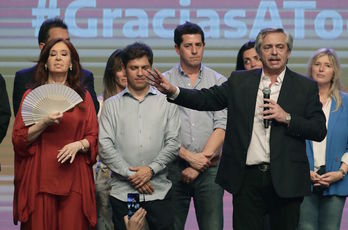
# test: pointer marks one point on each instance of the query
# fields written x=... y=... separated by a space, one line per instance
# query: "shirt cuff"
x=130 y=173
x=344 y=158
x=175 y=95
x=155 y=167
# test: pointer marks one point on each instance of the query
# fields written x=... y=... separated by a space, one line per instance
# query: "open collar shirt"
x=259 y=149
x=197 y=126
x=136 y=133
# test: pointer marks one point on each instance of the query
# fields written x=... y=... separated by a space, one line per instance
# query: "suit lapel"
x=284 y=101
x=253 y=87
x=334 y=116
x=286 y=90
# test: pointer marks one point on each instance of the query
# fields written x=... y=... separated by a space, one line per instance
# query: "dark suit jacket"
x=26 y=76
x=5 y=111
x=289 y=164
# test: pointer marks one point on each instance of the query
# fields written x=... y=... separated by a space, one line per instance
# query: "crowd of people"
x=186 y=134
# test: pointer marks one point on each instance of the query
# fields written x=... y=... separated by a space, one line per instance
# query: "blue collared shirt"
x=197 y=126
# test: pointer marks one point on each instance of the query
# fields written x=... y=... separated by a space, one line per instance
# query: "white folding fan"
x=47 y=99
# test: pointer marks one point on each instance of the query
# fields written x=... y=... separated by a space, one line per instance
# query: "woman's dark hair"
x=246 y=46
x=113 y=65
x=74 y=79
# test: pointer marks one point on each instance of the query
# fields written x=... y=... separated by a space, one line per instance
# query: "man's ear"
x=177 y=49
x=42 y=45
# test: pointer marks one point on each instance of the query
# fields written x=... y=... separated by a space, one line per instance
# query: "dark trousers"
x=207 y=198
x=159 y=213
x=257 y=198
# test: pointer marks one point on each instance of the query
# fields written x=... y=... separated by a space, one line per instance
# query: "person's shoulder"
x=344 y=97
x=2 y=84
x=210 y=72
x=175 y=68
x=212 y=77
x=155 y=94
x=87 y=93
x=26 y=71
x=27 y=92
x=243 y=75
x=2 y=80
x=300 y=79
x=114 y=99
x=297 y=76
x=173 y=72
x=87 y=73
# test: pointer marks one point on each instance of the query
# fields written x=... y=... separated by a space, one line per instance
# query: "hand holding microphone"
x=274 y=111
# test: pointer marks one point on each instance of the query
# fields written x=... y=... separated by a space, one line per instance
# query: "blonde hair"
x=335 y=86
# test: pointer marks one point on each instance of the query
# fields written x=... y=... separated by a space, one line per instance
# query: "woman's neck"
x=57 y=79
x=324 y=90
x=324 y=93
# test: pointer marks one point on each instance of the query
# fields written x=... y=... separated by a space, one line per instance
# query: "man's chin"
x=195 y=64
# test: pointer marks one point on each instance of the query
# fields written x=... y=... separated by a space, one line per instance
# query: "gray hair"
x=262 y=34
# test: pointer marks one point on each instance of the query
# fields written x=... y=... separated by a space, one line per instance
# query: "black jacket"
x=5 y=111
x=299 y=96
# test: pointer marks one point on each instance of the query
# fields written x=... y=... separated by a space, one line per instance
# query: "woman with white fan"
x=55 y=144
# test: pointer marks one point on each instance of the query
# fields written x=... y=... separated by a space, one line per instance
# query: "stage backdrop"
x=97 y=27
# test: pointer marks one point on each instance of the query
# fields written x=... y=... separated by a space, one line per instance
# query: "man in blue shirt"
x=202 y=134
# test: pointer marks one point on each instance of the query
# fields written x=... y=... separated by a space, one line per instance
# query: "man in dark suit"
x=5 y=111
x=50 y=29
x=266 y=169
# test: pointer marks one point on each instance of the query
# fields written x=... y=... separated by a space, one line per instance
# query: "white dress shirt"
x=259 y=150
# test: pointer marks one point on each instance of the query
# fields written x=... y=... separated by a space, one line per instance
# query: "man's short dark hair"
x=135 y=51
x=47 y=25
x=187 y=28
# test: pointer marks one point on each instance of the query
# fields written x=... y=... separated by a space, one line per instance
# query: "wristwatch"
x=342 y=171
x=288 y=119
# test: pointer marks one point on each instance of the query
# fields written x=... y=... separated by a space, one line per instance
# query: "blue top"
x=336 y=145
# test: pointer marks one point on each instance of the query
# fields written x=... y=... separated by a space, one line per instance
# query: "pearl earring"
x=45 y=67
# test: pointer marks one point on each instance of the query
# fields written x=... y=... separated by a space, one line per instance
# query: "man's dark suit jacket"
x=26 y=76
x=299 y=96
x=5 y=111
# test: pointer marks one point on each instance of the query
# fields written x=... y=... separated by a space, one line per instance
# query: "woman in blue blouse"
x=328 y=159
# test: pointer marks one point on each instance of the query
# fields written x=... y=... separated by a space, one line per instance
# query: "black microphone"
x=266 y=94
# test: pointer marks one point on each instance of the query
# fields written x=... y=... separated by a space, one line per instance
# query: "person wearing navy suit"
x=50 y=29
x=266 y=169
x=5 y=111
x=323 y=208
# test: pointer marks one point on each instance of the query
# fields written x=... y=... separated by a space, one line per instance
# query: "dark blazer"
x=26 y=76
x=299 y=96
x=5 y=111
